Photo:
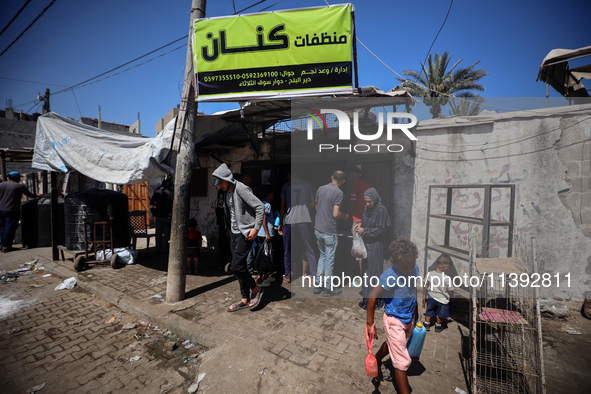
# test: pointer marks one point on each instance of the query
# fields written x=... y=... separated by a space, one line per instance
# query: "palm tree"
x=435 y=83
x=466 y=106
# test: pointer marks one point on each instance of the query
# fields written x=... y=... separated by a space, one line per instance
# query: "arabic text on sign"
x=220 y=45
x=324 y=39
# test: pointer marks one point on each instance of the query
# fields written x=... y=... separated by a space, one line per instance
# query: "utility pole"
x=185 y=133
x=46 y=108
x=53 y=191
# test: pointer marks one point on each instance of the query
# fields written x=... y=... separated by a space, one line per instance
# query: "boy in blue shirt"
x=398 y=290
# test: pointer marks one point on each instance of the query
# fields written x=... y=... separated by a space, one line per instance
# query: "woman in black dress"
x=373 y=228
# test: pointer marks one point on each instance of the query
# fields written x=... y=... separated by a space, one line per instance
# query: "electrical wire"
x=90 y=80
x=34 y=105
x=28 y=27
x=124 y=64
x=16 y=16
x=76 y=100
x=272 y=5
x=504 y=156
x=33 y=82
x=250 y=6
x=121 y=72
x=433 y=43
x=441 y=93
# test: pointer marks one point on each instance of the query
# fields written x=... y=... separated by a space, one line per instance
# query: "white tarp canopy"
x=64 y=145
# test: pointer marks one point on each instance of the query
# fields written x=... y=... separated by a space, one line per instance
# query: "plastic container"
x=415 y=343
x=36 y=223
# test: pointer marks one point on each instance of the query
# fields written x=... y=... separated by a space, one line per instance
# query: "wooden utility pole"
x=53 y=192
x=185 y=133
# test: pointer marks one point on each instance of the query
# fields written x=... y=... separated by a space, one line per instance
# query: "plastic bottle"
x=277 y=220
x=415 y=343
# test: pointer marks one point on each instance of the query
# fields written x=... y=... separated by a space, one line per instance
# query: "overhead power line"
x=16 y=16
x=33 y=82
x=435 y=39
x=89 y=80
x=123 y=65
x=272 y=5
x=250 y=6
x=28 y=27
x=120 y=72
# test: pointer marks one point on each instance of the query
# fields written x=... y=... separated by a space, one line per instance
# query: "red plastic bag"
x=371 y=364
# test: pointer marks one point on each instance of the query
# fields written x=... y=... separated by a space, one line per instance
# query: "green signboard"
x=274 y=54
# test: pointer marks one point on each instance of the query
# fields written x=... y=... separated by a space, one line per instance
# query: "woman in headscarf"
x=373 y=228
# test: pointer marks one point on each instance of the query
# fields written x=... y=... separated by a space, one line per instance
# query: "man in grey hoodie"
x=244 y=217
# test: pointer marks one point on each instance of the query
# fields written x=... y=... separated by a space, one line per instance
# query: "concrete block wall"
x=546 y=154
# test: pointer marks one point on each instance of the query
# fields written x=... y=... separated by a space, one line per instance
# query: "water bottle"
x=277 y=221
x=415 y=343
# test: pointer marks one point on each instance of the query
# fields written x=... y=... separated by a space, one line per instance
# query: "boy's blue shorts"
x=436 y=308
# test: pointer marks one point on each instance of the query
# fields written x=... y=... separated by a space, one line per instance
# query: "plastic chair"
x=138 y=221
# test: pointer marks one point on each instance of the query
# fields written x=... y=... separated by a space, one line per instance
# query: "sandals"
x=256 y=300
x=237 y=306
x=385 y=374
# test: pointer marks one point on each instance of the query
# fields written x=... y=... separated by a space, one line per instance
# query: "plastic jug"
x=415 y=343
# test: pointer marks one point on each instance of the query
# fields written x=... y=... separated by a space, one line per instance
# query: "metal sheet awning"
x=231 y=128
x=555 y=71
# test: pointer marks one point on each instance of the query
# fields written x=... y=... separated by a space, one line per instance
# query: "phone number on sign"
x=232 y=77
x=531 y=280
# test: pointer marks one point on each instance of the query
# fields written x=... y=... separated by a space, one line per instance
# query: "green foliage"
x=465 y=107
x=435 y=83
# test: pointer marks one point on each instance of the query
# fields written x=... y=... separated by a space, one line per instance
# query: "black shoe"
x=318 y=290
x=427 y=326
x=332 y=293
x=438 y=328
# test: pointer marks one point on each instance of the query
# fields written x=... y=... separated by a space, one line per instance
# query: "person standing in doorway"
x=328 y=210
x=162 y=202
x=357 y=188
x=374 y=229
x=11 y=193
x=244 y=217
x=297 y=198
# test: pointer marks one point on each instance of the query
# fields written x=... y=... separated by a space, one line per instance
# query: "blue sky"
x=77 y=40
